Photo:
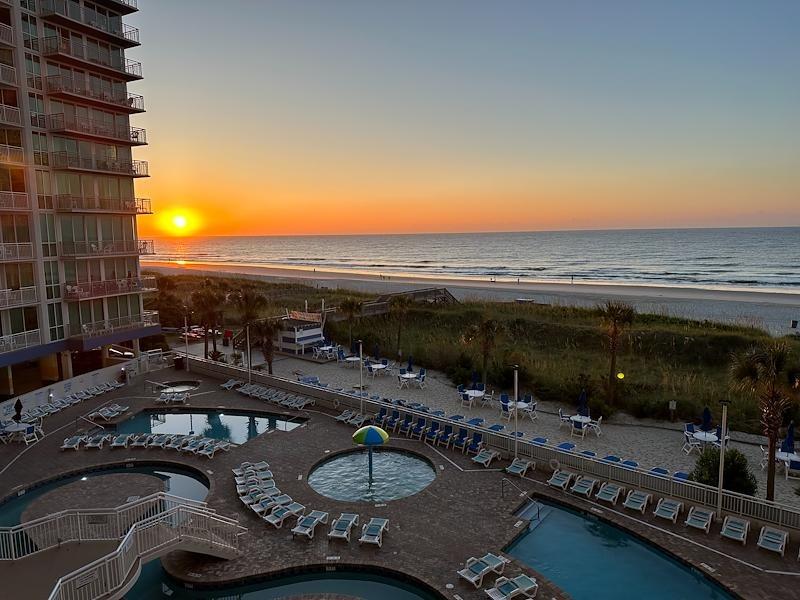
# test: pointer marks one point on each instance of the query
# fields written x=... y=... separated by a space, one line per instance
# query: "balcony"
x=72 y=15
x=10 y=115
x=124 y=7
x=84 y=56
x=66 y=87
x=112 y=287
x=6 y=34
x=20 y=297
x=131 y=206
x=110 y=248
x=8 y=75
x=12 y=201
x=89 y=128
x=16 y=252
x=74 y=162
x=12 y=154
x=99 y=328
x=20 y=341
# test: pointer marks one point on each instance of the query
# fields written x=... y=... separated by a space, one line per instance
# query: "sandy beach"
x=772 y=311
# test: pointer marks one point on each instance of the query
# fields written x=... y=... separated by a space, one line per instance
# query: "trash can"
x=179 y=363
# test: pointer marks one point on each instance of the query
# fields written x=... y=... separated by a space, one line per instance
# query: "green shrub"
x=737 y=477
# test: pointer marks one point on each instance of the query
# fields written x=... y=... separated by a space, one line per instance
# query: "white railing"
x=6 y=34
x=100 y=247
x=96 y=289
x=14 y=201
x=58 y=84
x=12 y=154
x=147 y=318
x=690 y=491
x=71 y=203
x=74 y=48
x=20 y=297
x=20 y=341
x=10 y=114
x=8 y=75
x=16 y=252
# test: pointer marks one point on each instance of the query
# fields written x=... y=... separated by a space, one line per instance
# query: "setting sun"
x=179 y=221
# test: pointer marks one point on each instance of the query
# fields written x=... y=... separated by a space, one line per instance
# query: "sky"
x=372 y=116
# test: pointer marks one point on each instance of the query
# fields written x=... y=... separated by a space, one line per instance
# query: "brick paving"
x=461 y=514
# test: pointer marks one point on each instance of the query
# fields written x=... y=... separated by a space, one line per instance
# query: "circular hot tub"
x=175 y=387
x=395 y=474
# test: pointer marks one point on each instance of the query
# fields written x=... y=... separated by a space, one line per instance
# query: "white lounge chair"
x=505 y=588
x=519 y=467
x=609 y=492
x=735 y=528
x=307 y=525
x=485 y=457
x=637 y=500
x=668 y=509
x=583 y=486
x=700 y=518
x=560 y=479
x=97 y=441
x=476 y=569
x=121 y=441
x=280 y=513
x=140 y=441
x=372 y=532
x=773 y=539
x=73 y=443
x=341 y=527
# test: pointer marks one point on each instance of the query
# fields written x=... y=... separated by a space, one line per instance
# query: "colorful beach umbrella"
x=370 y=436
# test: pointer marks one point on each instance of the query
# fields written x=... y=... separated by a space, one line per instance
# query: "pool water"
x=592 y=560
x=395 y=474
x=155 y=583
x=236 y=428
x=177 y=482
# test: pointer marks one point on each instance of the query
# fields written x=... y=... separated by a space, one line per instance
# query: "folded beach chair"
x=637 y=500
x=583 y=486
x=700 y=518
x=520 y=586
x=97 y=441
x=372 y=532
x=345 y=416
x=230 y=384
x=609 y=492
x=121 y=441
x=253 y=474
x=485 y=457
x=139 y=441
x=307 y=525
x=477 y=568
x=260 y=500
x=341 y=527
x=560 y=479
x=252 y=484
x=246 y=466
x=359 y=420
x=73 y=443
x=773 y=539
x=178 y=441
x=209 y=450
x=735 y=528
x=280 y=513
x=158 y=441
x=668 y=509
x=519 y=467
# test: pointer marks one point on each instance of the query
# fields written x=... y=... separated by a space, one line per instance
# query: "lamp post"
x=723 y=435
x=361 y=375
x=516 y=407
x=186 y=333
x=249 y=362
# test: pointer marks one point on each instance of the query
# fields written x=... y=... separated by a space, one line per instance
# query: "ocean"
x=765 y=259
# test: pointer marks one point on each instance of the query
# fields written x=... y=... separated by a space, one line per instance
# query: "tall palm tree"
x=484 y=335
x=208 y=303
x=248 y=303
x=265 y=331
x=763 y=372
x=351 y=308
x=615 y=316
x=398 y=308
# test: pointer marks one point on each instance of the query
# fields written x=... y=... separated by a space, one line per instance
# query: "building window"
x=36 y=105
x=51 y=279
x=40 y=155
x=33 y=70
x=30 y=35
x=56 y=320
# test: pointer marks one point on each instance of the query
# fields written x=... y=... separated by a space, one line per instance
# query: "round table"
x=326 y=348
x=378 y=366
x=16 y=429
x=705 y=436
x=408 y=376
x=352 y=360
x=518 y=405
x=787 y=457
x=475 y=393
x=580 y=419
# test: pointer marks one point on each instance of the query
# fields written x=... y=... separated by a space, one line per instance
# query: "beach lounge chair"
x=209 y=450
x=566 y=446
x=97 y=441
x=475 y=445
x=158 y=441
x=164 y=398
x=668 y=509
x=630 y=464
x=609 y=492
x=680 y=476
x=73 y=443
x=445 y=435
x=583 y=486
x=256 y=484
x=418 y=430
x=539 y=441
x=280 y=513
x=372 y=532
x=307 y=525
x=485 y=457
x=610 y=458
x=139 y=440
x=432 y=433
x=345 y=416
x=637 y=500
x=178 y=441
x=341 y=527
x=477 y=568
x=230 y=384
x=106 y=414
x=359 y=420
x=253 y=474
x=659 y=471
x=773 y=539
x=121 y=441
x=405 y=425
x=560 y=479
x=519 y=467
x=520 y=586
x=735 y=528
x=460 y=440
x=700 y=518
x=269 y=500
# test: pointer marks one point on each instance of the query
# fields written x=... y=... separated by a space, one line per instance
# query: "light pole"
x=723 y=435
x=249 y=362
x=516 y=407
x=361 y=375
x=186 y=333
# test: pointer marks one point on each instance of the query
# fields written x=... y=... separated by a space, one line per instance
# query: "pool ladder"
x=524 y=493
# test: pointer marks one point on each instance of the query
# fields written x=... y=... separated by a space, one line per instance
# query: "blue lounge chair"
x=432 y=433
x=381 y=416
x=445 y=435
x=568 y=446
x=418 y=430
x=680 y=476
x=476 y=422
x=460 y=440
x=630 y=464
x=659 y=471
x=539 y=440
x=406 y=425
x=391 y=422
x=476 y=445
x=611 y=459
x=588 y=453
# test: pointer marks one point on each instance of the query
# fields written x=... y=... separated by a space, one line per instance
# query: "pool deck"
x=431 y=534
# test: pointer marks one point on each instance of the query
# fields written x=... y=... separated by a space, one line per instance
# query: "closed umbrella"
x=706 y=424
x=583 y=408
x=376 y=351
x=370 y=436
x=788 y=442
x=410 y=368
x=474 y=379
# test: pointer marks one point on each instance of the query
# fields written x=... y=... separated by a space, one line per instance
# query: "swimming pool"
x=343 y=584
x=395 y=474
x=179 y=482
x=590 y=559
x=231 y=426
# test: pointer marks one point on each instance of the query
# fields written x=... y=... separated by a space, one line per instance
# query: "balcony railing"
x=10 y=115
x=106 y=248
x=6 y=34
x=132 y=168
x=128 y=6
x=58 y=84
x=69 y=203
x=129 y=135
x=14 y=201
x=10 y=252
x=72 y=11
x=19 y=341
x=20 y=297
x=146 y=319
x=8 y=75
x=69 y=48
x=12 y=154
x=112 y=287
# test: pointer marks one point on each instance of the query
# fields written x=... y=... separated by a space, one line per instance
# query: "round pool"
x=395 y=474
x=175 y=387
